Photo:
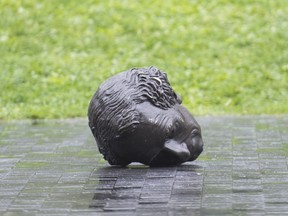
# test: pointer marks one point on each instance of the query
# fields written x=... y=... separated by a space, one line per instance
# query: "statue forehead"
x=155 y=114
x=166 y=118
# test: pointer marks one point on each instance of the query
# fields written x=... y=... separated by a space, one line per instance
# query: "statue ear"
x=178 y=149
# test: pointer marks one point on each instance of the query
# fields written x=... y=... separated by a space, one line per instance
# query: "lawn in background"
x=222 y=57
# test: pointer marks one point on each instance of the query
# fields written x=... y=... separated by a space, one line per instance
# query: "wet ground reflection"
x=142 y=188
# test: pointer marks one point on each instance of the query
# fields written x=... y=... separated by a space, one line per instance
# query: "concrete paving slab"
x=54 y=168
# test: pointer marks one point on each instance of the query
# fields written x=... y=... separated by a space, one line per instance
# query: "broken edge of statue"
x=135 y=116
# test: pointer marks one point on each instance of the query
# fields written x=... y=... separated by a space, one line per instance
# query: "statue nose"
x=180 y=150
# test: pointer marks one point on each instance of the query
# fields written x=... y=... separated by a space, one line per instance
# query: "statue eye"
x=174 y=129
x=176 y=125
x=171 y=133
x=195 y=132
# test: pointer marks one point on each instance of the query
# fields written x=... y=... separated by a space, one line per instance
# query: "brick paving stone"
x=54 y=168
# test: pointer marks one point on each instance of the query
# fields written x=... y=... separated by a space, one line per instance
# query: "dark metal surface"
x=135 y=116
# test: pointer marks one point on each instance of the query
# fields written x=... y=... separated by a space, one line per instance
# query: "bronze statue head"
x=135 y=116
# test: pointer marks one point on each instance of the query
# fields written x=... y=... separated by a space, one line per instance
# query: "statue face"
x=164 y=137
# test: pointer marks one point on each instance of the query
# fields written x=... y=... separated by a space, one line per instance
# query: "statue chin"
x=135 y=116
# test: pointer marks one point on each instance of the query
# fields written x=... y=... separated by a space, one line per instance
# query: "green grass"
x=222 y=57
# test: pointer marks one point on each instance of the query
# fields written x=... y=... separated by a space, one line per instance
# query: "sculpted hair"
x=112 y=110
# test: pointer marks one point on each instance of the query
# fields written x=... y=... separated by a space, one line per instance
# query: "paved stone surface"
x=54 y=168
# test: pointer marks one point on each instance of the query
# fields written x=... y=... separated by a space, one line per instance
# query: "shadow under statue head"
x=135 y=116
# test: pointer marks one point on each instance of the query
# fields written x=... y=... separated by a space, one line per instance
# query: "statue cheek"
x=195 y=146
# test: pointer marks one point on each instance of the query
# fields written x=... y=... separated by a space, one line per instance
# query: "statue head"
x=135 y=116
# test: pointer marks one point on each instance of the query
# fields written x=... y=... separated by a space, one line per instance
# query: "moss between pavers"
x=285 y=149
x=86 y=153
x=32 y=165
x=8 y=156
x=281 y=151
x=260 y=127
x=212 y=157
x=235 y=141
x=266 y=127
x=205 y=157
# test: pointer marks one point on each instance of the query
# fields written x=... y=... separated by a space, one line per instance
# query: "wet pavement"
x=54 y=168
